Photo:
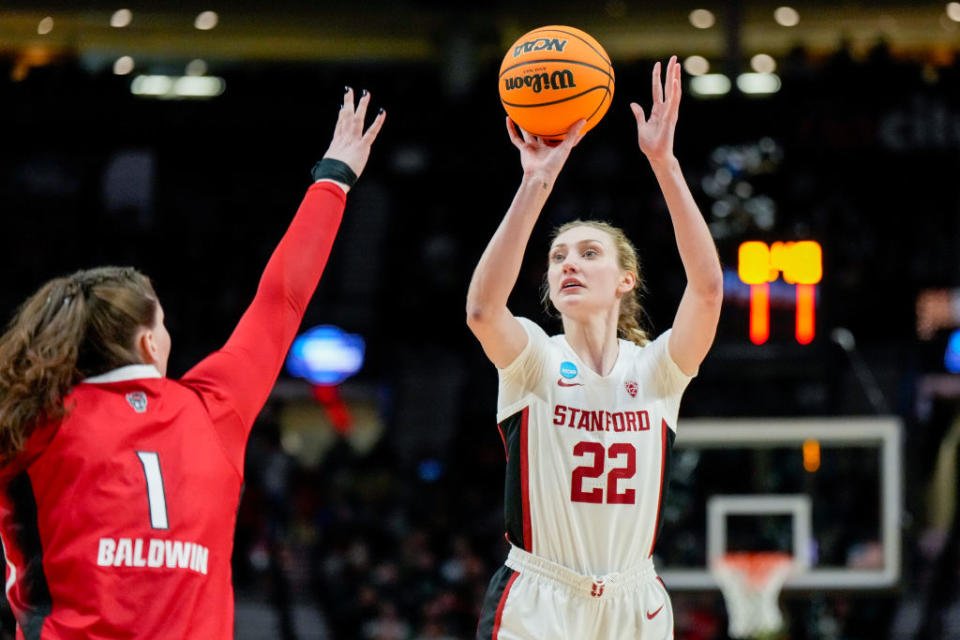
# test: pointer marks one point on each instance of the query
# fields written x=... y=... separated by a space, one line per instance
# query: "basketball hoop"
x=751 y=583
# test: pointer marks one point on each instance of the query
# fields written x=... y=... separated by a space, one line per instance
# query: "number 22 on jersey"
x=621 y=453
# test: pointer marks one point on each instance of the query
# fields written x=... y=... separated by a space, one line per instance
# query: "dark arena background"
x=374 y=509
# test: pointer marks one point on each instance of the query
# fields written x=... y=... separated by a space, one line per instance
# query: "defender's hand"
x=350 y=144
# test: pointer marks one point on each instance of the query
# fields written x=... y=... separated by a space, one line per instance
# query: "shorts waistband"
x=596 y=586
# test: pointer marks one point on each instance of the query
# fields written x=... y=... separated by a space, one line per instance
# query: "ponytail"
x=628 y=323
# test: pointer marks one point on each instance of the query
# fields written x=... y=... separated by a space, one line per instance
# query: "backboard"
x=826 y=490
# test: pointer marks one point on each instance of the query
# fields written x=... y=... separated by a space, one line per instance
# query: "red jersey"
x=118 y=521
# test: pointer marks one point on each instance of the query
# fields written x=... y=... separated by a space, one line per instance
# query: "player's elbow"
x=713 y=295
x=709 y=290
x=714 y=289
x=477 y=316
x=481 y=316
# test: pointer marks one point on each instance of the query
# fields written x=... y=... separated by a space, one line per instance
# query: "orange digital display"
x=811 y=455
x=800 y=264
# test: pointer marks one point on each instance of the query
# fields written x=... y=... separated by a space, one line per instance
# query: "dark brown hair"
x=628 y=320
x=74 y=327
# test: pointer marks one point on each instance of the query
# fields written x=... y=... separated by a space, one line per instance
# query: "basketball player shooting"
x=119 y=487
x=588 y=417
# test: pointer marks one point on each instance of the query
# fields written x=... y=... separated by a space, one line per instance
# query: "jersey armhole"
x=517 y=365
x=512 y=408
x=673 y=374
x=522 y=377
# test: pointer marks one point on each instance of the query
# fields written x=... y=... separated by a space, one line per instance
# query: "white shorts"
x=531 y=598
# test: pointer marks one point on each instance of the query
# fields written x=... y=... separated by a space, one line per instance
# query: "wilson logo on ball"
x=562 y=79
x=540 y=44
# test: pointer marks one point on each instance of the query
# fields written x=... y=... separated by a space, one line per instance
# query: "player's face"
x=584 y=274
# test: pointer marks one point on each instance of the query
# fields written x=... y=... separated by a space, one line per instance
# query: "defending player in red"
x=119 y=487
x=588 y=417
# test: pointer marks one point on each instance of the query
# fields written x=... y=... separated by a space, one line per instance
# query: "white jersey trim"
x=129 y=372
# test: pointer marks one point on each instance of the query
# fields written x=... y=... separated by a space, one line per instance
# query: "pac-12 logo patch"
x=632 y=388
x=137 y=400
x=568 y=370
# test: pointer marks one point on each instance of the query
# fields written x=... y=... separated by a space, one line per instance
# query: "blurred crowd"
x=385 y=553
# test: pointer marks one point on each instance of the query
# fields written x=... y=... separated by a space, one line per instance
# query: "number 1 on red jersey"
x=156 y=496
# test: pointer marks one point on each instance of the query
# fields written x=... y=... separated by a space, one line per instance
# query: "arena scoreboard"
x=800 y=264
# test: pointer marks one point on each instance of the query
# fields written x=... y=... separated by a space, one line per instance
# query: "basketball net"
x=751 y=583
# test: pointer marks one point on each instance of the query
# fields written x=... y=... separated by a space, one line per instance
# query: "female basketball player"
x=588 y=419
x=119 y=487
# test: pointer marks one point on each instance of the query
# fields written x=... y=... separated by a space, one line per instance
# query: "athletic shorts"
x=531 y=598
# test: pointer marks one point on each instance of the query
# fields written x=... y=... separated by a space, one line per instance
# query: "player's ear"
x=627 y=282
x=146 y=346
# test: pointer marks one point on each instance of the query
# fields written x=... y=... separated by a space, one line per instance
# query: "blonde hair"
x=628 y=320
x=72 y=328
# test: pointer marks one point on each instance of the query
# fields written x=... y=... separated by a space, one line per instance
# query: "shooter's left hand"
x=655 y=134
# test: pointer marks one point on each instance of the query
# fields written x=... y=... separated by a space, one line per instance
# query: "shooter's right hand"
x=540 y=159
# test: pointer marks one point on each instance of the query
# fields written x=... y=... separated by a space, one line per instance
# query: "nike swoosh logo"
x=651 y=616
x=564 y=383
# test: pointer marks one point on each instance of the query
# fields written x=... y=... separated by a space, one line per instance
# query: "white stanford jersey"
x=588 y=456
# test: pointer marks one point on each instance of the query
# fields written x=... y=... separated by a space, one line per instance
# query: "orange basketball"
x=553 y=76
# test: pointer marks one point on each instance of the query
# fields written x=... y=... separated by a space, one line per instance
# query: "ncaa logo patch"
x=568 y=370
x=632 y=388
x=540 y=44
x=138 y=400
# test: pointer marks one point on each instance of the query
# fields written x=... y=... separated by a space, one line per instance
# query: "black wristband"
x=330 y=169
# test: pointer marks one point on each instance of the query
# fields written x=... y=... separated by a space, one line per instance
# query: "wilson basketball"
x=553 y=76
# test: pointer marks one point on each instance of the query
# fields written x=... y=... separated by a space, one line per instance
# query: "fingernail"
x=346 y=89
x=381 y=110
x=364 y=92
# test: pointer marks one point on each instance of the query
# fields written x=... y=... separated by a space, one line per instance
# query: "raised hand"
x=655 y=134
x=539 y=158
x=350 y=143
